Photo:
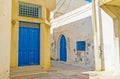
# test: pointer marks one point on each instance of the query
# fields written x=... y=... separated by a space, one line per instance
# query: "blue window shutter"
x=88 y=0
x=81 y=45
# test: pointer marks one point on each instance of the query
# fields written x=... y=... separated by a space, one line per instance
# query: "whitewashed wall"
x=80 y=30
x=76 y=26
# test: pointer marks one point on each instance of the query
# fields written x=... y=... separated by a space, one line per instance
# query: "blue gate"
x=29 y=45
x=63 y=51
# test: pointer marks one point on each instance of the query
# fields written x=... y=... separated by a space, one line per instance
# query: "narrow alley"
x=61 y=70
x=59 y=39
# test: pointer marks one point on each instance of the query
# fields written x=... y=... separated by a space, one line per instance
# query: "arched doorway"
x=63 y=50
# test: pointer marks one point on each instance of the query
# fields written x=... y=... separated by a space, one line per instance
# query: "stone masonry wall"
x=80 y=30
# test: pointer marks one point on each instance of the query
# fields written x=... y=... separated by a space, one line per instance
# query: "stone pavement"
x=61 y=70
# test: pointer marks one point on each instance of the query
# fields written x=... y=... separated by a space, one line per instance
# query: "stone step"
x=23 y=74
x=26 y=68
x=27 y=71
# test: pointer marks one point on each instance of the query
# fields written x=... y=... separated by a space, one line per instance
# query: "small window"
x=81 y=45
x=88 y=0
x=30 y=10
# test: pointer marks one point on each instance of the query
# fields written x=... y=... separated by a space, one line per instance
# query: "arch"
x=63 y=48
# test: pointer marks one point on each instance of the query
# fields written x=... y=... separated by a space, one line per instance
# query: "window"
x=81 y=45
x=30 y=10
x=88 y=0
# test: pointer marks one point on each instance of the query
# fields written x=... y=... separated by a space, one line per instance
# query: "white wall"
x=73 y=16
x=108 y=41
x=79 y=23
x=80 y=30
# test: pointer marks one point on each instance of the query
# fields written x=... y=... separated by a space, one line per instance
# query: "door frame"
x=59 y=47
x=39 y=40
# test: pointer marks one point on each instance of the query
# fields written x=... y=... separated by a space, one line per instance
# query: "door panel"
x=29 y=46
x=63 y=52
x=23 y=46
x=34 y=46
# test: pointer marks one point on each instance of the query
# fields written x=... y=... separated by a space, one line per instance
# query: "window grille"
x=30 y=10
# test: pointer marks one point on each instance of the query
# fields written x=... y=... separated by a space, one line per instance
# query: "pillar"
x=5 y=38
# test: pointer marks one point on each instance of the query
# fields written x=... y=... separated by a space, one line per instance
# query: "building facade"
x=106 y=42
x=73 y=43
x=27 y=34
x=72 y=38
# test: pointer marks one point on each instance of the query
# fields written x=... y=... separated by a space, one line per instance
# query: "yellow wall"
x=45 y=32
x=5 y=37
x=110 y=2
x=50 y=4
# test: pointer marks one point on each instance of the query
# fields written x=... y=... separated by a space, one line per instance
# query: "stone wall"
x=80 y=30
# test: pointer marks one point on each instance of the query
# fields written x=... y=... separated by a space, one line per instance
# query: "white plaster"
x=117 y=54
x=80 y=30
x=108 y=41
x=72 y=16
x=69 y=5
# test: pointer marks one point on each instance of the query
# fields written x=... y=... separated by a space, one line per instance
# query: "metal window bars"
x=30 y=10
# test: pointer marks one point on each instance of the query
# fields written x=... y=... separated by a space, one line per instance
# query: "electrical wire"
x=58 y=9
x=68 y=6
x=74 y=14
x=58 y=2
x=60 y=6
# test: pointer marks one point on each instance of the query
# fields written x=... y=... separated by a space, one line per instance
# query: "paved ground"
x=60 y=70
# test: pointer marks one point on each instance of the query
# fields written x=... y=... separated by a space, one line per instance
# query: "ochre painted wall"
x=45 y=31
x=110 y=2
x=5 y=38
x=50 y=4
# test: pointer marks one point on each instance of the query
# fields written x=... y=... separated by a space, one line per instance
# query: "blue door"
x=29 y=45
x=63 y=51
x=34 y=46
x=23 y=46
